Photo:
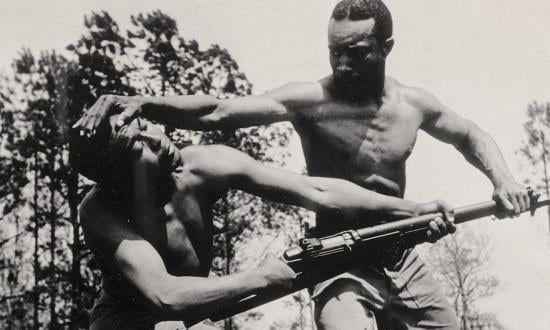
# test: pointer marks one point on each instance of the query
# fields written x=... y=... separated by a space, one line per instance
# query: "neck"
x=370 y=89
x=374 y=89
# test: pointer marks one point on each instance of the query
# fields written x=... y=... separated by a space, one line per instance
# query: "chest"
x=188 y=237
x=386 y=136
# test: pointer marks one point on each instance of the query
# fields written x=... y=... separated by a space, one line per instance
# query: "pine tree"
x=48 y=277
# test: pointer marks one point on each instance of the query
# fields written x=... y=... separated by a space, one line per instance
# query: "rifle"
x=318 y=259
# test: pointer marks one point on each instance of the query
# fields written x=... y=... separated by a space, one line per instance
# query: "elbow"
x=219 y=115
x=325 y=200
x=165 y=304
x=164 y=301
x=204 y=117
x=465 y=142
x=328 y=203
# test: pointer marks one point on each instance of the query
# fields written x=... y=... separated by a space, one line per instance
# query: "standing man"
x=360 y=125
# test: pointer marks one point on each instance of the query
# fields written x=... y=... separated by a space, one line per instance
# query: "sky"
x=486 y=59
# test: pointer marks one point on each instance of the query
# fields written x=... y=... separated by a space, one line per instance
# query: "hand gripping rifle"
x=318 y=259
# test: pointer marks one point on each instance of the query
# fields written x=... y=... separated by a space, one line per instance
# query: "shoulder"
x=419 y=99
x=299 y=93
x=213 y=161
x=90 y=201
x=103 y=223
x=195 y=155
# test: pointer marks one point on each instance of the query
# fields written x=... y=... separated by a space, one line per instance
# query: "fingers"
x=89 y=117
x=515 y=203
x=441 y=225
x=77 y=124
x=513 y=200
x=102 y=113
x=129 y=113
x=93 y=117
x=502 y=199
x=448 y=216
x=438 y=228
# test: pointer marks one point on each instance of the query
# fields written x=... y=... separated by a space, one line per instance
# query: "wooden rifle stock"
x=339 y=250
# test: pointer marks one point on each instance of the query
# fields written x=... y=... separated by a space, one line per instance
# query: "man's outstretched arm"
x=232 y=168
x=125 y=251
x=477 y=147
x=202 y=112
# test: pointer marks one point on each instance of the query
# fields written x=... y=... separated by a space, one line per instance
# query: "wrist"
x=411 y=207
x=501 y=180
x=256 y=278
x=501 y=183
x=143 y=102
x=404 y=208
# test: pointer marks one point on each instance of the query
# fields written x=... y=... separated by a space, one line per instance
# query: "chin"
x=349 y=81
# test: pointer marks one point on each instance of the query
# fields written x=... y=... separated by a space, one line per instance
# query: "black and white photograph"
x=275 y=164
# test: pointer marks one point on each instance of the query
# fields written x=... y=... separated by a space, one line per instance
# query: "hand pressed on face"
x=103 y=108
x=440 y=226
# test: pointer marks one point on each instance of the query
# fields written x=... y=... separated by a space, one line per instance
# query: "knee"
x=342 y=307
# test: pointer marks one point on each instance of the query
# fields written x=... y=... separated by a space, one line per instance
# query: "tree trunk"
x=543 y=143
x=228 y=323
x=36 y=292
x=52 y=218
x=76 y=246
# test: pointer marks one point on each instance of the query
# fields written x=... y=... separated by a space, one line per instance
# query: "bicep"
x=298 y=95
x=442 y=122
x=224 y=167
x=119 y=247
x=140 y=263
x=286 y=103
x=281 y=186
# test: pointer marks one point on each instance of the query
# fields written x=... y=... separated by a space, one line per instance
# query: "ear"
x=388 y=46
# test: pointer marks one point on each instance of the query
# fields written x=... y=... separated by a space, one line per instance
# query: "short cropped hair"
x=105 y=158
x=356 y=10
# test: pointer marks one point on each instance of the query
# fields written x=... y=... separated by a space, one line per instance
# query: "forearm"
x=200 y=112
x=481 y=151
x=184 y=296
x=187 y=111
x=318 y=194
x=141 y=264
x=353 y=200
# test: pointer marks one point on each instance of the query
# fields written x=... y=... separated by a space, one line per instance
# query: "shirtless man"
x=154 y=262
x=357 y=124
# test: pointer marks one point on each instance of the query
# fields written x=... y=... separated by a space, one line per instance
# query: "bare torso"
x=369 y=150
x=187 y=250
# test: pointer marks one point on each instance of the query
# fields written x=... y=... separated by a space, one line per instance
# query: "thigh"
x=417 y=300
